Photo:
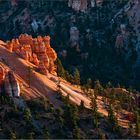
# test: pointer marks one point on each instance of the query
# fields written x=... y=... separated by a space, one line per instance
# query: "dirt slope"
x=42 y=86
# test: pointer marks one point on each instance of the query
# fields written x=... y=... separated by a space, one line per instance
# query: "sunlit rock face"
x=8 y=84
x=35 y=50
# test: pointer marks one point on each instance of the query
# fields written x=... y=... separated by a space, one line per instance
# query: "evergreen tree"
x=27 y=115
x=70 y=115
x=82 y=106
x=77 y=77
x=67 y=115
x=74 y=115
x=89 y=83
x=130 y=104
x=94 y=111
x=13 y=135
x=71 y=118
x=60 y=69
x=108 y=85
x=87 y=87
x=137 y=122
x=101 y=135
x=29 y=75
x=112 y=118
x=29 y=135
x=98 y=89
x=84 y=90
x=46 y=134
x=76 y=133
x=60 y=122
x=94 y=105
x=138 y=127
x=112 y=96
x=130 y=130
x=70 y=78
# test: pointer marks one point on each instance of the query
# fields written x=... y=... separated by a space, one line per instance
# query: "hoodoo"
x=35 y=50
x=8 y=83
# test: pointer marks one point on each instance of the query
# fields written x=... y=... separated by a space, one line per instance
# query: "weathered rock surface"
x=35 y=50
x=8 y=83
x=74 y=37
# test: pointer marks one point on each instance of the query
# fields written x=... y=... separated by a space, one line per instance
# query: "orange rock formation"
x=35 y=50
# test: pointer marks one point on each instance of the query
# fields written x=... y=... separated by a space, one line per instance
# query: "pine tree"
x=29 y=135
x=108 y=85
x=82 y=106
x=112 y=118
x=84 y=90
x=138 y=127
x=60 y=122
x=87 y=87
x=89 y=83
x=67 y=115
x=27 y=115
x=130 y=130
x=29 y=76
x=13 y=135
x=98 y=88
x=94 y=105
x=112 y=96
x=101 y=135
x=71 y=115
x=130 y=103
x=70 y=78
x=94 y=111
x=74 y=115
x=77 y=77
x=46 y=134
x=76 y=133
x=137 y=122
x=60 y=69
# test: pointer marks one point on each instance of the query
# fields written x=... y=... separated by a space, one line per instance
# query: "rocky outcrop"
x=78 y=5
x=35 y=50
x=8 y=84
x=133 y=14
x=74 y=38
x=14 y=3
x=82 y=5
x=122 y=41
x=124 y=37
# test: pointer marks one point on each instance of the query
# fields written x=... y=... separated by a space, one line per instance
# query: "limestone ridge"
x=35 y=50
